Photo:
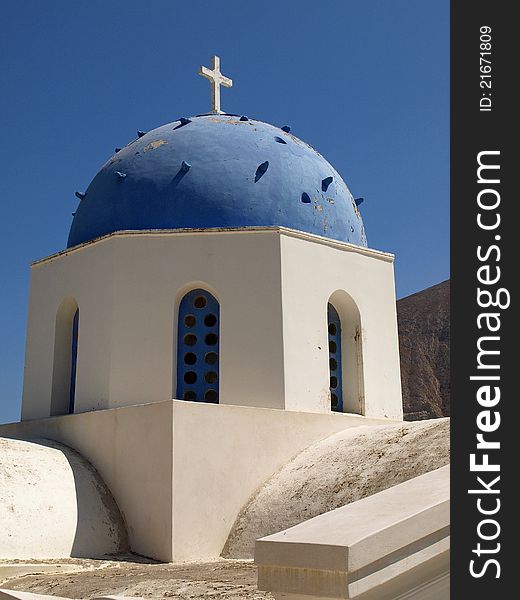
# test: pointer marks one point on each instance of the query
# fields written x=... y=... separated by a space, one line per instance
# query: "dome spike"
x=120 y=175
x=182 y=122
x=141 y=133
x=358 y=201
x=185 y=167
x=286 y=128
x=116 y=150
x=80 y=195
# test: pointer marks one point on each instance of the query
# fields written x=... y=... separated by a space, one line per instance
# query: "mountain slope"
x=424 y=340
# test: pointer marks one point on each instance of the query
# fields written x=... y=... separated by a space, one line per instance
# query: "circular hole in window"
x=211 y=377
x=211 y=358
x=333 y=382
x=211 y=339
x=190 y=358
x=190 y=377
x=333 y=347
x=332 y=329
x=210 y=320
x=190 y=395
x=199 y=302
x=211 y=396
x=334 y=400
x=333 y=364
x=189 y=321
x=190 y=339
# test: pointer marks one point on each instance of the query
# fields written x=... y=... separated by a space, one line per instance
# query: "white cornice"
x=310 y=237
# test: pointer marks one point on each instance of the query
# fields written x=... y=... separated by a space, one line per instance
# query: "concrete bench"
x=392 y=545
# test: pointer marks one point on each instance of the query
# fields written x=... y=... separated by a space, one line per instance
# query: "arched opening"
x=335 y=359
x=198 y=343
x=64 y=373
x=345 y=354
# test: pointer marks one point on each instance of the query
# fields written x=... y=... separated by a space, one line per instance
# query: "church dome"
x=217 y=170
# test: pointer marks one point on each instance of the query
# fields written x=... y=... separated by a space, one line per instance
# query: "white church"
x=217 y=311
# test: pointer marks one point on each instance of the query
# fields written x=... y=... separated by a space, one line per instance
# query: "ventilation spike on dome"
x=325 y=183
x=185 y=167
x=73 y=214
x=261 y=170
x=358 y=201
x=183 y=121
x=120 y=175
x=286 y=128
x=117 y=150
x=141 y=133
x=80 y=195
x=244 y=118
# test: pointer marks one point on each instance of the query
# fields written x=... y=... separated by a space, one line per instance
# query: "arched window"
x=198 y=344
x=345 y=354
x=335 y=359
x=65 y=358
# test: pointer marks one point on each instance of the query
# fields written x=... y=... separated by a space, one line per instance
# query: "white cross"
x=216 y=79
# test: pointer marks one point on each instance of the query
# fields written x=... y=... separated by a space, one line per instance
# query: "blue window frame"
x=198 y=343
x=73 y=361
x=336 y=383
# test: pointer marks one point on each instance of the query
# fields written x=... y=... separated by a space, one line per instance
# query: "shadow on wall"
x=100 y=527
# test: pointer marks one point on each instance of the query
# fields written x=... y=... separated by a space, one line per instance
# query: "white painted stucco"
x=315 y=272
x=273 y=286
x=181 y=471
x=53 y=504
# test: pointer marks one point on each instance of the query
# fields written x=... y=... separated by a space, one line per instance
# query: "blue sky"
x=366 y=83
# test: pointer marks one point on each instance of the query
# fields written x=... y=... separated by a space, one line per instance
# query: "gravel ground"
x=132 y=576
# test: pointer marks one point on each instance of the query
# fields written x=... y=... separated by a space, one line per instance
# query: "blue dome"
x=217 y=171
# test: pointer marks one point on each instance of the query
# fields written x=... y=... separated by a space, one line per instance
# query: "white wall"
x=131 y=448
x=181 y=471
x=128 y=288
x=88 y=277
x=314 y=272
x=273 y=286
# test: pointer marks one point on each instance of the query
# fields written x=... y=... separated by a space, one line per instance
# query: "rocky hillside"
x=424 y=339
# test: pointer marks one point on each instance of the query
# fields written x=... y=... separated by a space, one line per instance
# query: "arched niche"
x=65 y=357
x=351 y=360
